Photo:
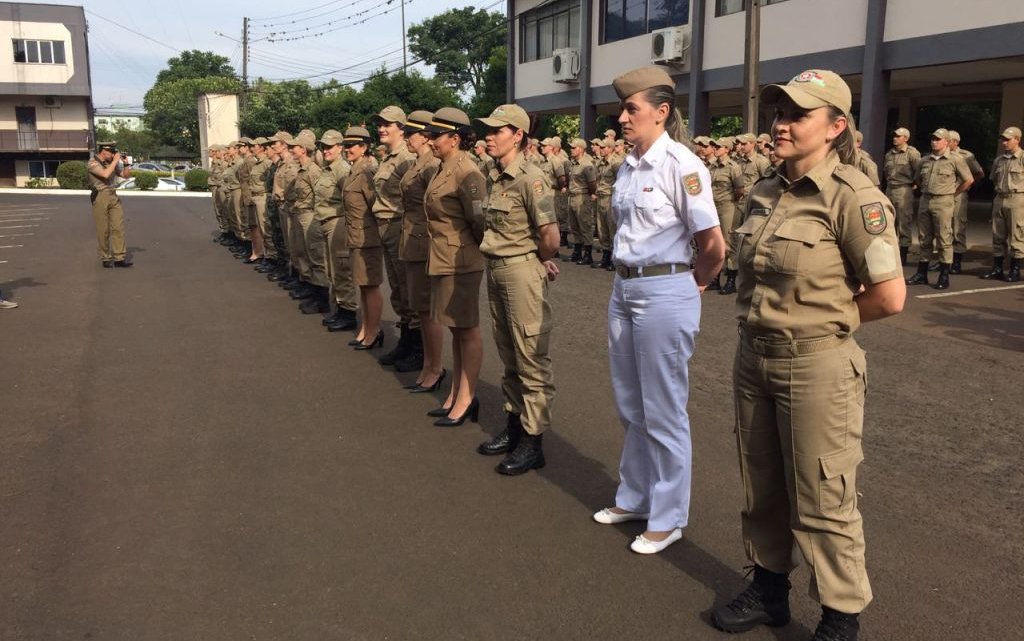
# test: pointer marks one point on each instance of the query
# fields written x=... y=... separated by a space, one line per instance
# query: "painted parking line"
x=10 y=246
x=19 y=226
x=17 y=235
x=981 y=290
x=21 y=220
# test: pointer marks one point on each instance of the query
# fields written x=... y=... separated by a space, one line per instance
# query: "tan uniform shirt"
x=415 y=244
x=607 y=171
x=98 y=184
x=229 y=176
x=972 y=162
x=455 y=217
x=582 y=176
x=867 y=166
x=726 y=179
x=244 y=176
x=484 y=164
x=305 y=182
x=258 y=171
x=940 y=176
x=806 y=247
x=753 y=169
x=281 y=179
x=288 y=173
x=900 y=167
x=1008 y=173
x=520 y=203
x=216 y=167
x=327 y=196
x=560 y=168
x=387 y=182
x=357 y=192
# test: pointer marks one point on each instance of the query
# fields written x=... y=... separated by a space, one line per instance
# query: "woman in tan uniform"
x=818 y=255
x=366 y=257
x=454 y=208
x=519 y=243
x=415 y=247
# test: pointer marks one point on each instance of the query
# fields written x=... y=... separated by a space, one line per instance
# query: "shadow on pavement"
x=14 y=285
x=988 y=326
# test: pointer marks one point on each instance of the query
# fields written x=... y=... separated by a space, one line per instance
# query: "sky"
x=130 y=42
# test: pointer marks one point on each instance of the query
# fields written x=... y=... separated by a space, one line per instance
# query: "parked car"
x=151 y=166
x=162 y=184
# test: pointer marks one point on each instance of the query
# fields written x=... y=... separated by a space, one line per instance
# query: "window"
x=629 y=18
x=725 y=7
x=43 y=168
x=45 y=52
x=544 y=29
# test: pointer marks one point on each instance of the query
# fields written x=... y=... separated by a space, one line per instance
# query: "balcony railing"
x=44 y=140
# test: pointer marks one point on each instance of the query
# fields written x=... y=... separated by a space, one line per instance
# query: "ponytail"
x=674 y=126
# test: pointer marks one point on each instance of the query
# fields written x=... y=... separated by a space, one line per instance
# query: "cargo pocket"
x=860 y=371
x=837 y=488
x=743 y=235
x=792 y=243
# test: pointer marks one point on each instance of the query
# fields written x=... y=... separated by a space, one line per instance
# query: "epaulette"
x=680 y=152
x=852 y=176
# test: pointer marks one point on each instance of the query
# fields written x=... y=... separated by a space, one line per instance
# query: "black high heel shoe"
x=439 y=411
x=355 y=341
x=377 y=342
x=473 y=412
x=422 y=389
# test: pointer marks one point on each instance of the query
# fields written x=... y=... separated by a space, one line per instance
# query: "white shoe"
x=7 y=304
x=608 y=517
x=643 y=545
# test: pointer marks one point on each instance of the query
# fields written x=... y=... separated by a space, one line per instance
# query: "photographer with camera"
x=104 y=169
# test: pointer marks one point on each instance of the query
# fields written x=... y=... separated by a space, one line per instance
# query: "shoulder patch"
x=874 y=218
x=538 y=187
x=692 y=184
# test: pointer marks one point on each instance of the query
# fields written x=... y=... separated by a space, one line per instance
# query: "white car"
x=151 y=166
x=162 y=184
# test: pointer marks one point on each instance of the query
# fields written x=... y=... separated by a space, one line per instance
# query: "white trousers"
x=652 y=325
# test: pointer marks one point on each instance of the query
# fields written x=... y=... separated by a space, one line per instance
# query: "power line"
x=314 y=16
x=287 y=15
x=277 y=36
x=138 y=33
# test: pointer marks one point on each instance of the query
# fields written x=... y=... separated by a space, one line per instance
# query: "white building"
x=896 y=55
x=117 y=119
x=45 y=90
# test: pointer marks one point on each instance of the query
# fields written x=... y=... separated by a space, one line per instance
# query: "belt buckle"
x=622 y=271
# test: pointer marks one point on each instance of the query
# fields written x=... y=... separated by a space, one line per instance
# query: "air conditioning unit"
x=52 y=102
x=670 y=46
x=565 y=65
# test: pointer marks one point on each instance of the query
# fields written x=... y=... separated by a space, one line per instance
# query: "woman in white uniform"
x=662 y=200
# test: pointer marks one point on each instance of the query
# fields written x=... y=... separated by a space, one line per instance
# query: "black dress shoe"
x=377 y=342
x=424 y=389
x=472 y=413
x=109 y=264
x=250 y=260
x=124 y=262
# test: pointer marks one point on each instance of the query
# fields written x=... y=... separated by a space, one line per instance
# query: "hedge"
x=145 y=180
x=73 y=174
x=197 y=180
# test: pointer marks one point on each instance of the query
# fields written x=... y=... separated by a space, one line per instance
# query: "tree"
x=458 y=44
x=196 y=64
x=172 y=108
x=276 y=106
x=726 y=126
x=495 y=87
x=407 y=90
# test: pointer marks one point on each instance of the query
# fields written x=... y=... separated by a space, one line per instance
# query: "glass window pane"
x=19 y=51
x=574 y=26
x=45 y=52
x=58 y=52
x=725 y=7
x=36 y=169
x=529 y=40
x=667 y=13
x=613 y=20
x=545 y=29
x=562 y=30
x=635 y=18
x=33 y=50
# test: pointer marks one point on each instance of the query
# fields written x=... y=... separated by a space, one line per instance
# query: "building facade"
x=896 y=55
x=45 y=90
x=117 y=119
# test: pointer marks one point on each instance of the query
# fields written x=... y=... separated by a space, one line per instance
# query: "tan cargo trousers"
x=902 y=197
x=935 y=226
x=799 y=423
x=1008 y=225
x=339 y=272
x=581 y=218
x=605 y=222
x=109 y=217
x=728 y=221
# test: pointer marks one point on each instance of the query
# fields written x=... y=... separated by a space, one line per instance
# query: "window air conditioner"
x=51 y=101
x=565 y=65
x=670 y=46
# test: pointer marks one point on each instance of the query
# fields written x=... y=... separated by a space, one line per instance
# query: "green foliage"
x=195 y=64
x=276 y=106
x=39 y=183
x=172 y=108
x=145 y=180
x=197 y=180
x=73 y=174
x=564 y=126
x=726 y=126
x=495 y=86
x=459 y=44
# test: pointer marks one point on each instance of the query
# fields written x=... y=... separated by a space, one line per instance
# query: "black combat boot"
x=401 y=350
x=331 y=318
x=318 y=303
x=606 y=260
x=1014 y=274
x=766 y=600
x=921 y=277
x=730 y=283
x=506 y=441
x=528 y=455
x=903 y=255
x=836 y=626
x=304 y=291
x=563 y=239
x=587 y=257
x=577 y=251
x=413 y=361
x=996 y=273
x=957 y=266
x=714 y=285
x=346 y=321
x=943 y=280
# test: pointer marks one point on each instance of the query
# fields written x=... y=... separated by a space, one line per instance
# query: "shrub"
x=197 y=180
x=39 y=183
x=73 y=175
x=145 y=180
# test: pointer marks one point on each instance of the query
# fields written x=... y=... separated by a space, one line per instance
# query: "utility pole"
x=403 y=37
x=750 y=65
x=245 y=60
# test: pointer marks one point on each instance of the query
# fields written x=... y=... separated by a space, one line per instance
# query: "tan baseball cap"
x=282 y=136
x=260 y=141
x=245 y=140
x=480 y=144
x=305 y=139
x=640 y=79
x=764 y=137
x=702 y=141
x=610 y=132
x=941 y=133
x=418 y=121
x=748 y=137
x=606 y=144
x=954 y=135
x=579 y=142
x=726 y=141
x=812 y=89
x=556 y=141
x=1010 y=132
x=391 y=113
x=332 y=137
x=503 y=115
x=356 y=136
x=902 y=131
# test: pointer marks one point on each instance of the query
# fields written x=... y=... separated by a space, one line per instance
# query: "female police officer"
x=818 y=256
x=662 y=200
x=520 y=240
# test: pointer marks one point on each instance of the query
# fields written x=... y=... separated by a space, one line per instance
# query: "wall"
x=21 y=72
x=44 y=22
x=72 y=115
x=218 y=121
x=915 y=18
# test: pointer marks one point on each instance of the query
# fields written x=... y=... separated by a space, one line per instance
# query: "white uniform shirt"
x=660 y=201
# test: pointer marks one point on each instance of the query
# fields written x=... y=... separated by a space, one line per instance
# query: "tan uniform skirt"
x=455 y=299
x=367 y=266
x=418 y=283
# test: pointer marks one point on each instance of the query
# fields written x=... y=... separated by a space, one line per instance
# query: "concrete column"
x=587 y=112
x=697 y=111
x=510 y=46
x=874 y=97
x=1011 y=114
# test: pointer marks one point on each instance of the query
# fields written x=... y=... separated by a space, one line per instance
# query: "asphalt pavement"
x=183 y=455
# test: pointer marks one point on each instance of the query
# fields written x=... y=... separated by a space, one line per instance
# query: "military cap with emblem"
x=305 y=139
x=812 y=89
x=331 y=137
x=1010 y=132
x=110 y=145
x=640 y=80
x=418 y=121
x=578 y=142
x=941 y=133
x=391 y=113
x=356 y=136
x=726 y=141
x=503 y=115
x=448 y=120
x=902 y=131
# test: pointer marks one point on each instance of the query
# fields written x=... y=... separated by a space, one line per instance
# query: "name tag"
x=648 y=189
x=760 y=212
